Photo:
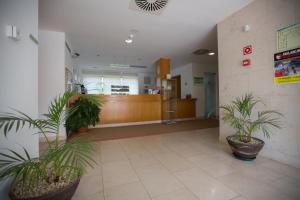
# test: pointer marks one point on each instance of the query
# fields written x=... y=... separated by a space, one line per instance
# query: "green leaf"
x=18 y=155
x=238 y=114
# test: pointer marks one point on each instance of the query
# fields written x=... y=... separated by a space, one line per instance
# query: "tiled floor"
x=183 y=166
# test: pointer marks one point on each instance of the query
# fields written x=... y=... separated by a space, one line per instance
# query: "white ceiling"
x=101 y=26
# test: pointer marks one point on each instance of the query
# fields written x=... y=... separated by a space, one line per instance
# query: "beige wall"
x=265 y=17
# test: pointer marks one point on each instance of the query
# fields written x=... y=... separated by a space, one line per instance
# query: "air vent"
x=201 y=52
x=150 y=6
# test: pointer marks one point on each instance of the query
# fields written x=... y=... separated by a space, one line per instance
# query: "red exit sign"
x=246 y=62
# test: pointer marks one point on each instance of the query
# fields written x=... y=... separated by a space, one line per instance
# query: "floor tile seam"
x=171 y=150
x=102 y=175
x=136 y=173
x=128 y=161
x=101 y=170
x=176 y=191
x=233 y=189
x=215 y=179
x=161 y=164
x=184 y=186
x=119 y=185
x=280 y=171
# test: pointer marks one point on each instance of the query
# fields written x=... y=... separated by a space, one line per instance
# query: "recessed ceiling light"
x=129 y=41
x=211 y=53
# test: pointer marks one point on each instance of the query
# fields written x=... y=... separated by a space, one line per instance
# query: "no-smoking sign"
x=247 y=50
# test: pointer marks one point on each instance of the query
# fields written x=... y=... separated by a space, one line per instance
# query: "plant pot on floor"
x=65 y=193
x=78 y=132
x=82 y=130
x=245 y=151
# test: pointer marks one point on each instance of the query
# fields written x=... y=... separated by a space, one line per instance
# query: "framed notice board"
x=288 y=38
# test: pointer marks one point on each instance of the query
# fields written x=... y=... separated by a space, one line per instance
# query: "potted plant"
x=86 y=114
x=240 y=116
x=56 y=173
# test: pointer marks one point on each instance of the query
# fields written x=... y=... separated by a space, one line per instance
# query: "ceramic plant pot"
x=245 y=151
x=65 y=193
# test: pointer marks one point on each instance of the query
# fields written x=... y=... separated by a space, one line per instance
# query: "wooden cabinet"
x=186 y=108
x=162 y=68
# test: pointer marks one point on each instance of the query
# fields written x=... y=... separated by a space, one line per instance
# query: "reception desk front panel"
x=130 y=108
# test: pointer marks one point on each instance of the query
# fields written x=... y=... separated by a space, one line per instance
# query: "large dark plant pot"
x=65 y=193
x=245 y=151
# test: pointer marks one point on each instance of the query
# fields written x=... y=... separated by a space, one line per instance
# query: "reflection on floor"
x=150 y=129
x=190 y=165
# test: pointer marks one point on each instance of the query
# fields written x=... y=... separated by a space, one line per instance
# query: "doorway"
x=210 y=94
x=178 y=86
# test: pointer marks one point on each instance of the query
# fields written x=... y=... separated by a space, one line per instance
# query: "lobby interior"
x=163 y=76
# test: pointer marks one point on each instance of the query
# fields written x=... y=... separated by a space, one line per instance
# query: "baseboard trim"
x=126 y=124
x=185 y=119
x=139 y=123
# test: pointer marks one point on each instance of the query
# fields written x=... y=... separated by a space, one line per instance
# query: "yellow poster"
x=287 y=79
x=287 y=66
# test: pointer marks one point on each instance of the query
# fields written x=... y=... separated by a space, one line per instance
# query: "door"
x=210 y=94
x=178 y=85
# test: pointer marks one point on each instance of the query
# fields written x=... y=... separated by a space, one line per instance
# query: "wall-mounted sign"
x=198 y=80
x=246 y=62
x=288 y=37
x=247 y=50
x=287 y=66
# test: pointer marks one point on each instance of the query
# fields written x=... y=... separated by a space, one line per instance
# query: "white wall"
x=265 y=17
x=19 y=72
x=51 y=68
x=69 y=62
x=187 y=73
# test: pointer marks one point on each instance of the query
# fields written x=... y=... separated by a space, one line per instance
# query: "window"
x=111 y=84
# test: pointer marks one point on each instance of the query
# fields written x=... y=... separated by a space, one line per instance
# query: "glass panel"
x=102 y=84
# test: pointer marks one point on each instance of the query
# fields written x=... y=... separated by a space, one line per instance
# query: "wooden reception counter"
x=119 y=109
x=143 y=108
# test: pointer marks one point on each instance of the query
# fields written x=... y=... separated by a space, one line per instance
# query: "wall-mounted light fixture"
x=247 y=28
x=13 y=32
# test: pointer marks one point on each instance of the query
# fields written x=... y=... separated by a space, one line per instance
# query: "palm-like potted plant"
x=55 y=174
x=241 y=117
x=86 y=114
